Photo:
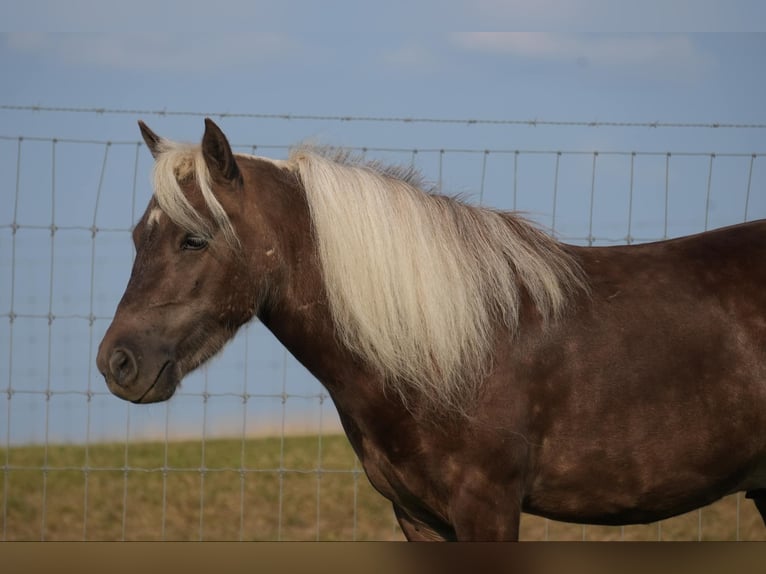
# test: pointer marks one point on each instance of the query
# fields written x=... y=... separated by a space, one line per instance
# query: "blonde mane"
x=417 y=282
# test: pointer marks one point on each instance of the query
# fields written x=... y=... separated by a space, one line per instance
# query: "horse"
x=480 y=367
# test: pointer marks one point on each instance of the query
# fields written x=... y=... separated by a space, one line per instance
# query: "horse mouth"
x=162 y=388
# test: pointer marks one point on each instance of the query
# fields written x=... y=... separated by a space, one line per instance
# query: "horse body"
x=628 y=411
x=660 y=382
x=644 y=398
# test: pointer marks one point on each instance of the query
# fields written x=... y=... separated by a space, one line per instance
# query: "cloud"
x=173 y=52
x=661 y=54
x=199 y=16
x=608 y=15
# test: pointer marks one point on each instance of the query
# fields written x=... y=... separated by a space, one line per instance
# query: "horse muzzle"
x=135 y=376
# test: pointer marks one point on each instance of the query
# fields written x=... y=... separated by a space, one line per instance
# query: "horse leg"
x=416 y=530
x=759 y=498
x=483 y=513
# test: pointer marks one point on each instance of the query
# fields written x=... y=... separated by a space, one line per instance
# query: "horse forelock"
x=417 y=282
x=175 y=164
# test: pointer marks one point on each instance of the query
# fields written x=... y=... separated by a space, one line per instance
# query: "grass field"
x=235 y=490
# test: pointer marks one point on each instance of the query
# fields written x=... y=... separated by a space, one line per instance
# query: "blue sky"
x=335 y=69
x=701 y=62
x=681 y=77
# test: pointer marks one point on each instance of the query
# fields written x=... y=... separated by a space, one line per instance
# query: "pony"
x=480 y=368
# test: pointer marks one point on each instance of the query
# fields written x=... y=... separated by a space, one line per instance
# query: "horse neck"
x=297 y=311
x=295 y=306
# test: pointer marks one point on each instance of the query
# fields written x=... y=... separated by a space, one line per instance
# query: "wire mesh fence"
x=251 y=448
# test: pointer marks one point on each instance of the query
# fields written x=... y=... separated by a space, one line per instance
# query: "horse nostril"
x=122 y=366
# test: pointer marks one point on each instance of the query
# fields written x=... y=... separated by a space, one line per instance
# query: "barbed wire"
x=532 y=122
x=238 y=147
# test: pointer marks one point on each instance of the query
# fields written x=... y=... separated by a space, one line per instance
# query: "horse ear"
x=152 y=139
x=217 y=153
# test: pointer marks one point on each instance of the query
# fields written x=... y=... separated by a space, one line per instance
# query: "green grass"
x=231 y=490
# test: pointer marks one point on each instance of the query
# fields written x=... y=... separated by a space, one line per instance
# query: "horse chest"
x=390 y=477
x=409 y=477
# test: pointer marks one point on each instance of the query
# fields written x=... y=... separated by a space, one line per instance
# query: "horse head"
x=198 y=274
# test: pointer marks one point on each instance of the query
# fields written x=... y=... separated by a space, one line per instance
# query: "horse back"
x=717 y=272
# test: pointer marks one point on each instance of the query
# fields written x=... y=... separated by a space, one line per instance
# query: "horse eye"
x=194 y=243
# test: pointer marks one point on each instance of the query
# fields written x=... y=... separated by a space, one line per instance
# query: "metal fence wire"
x=250 y=448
